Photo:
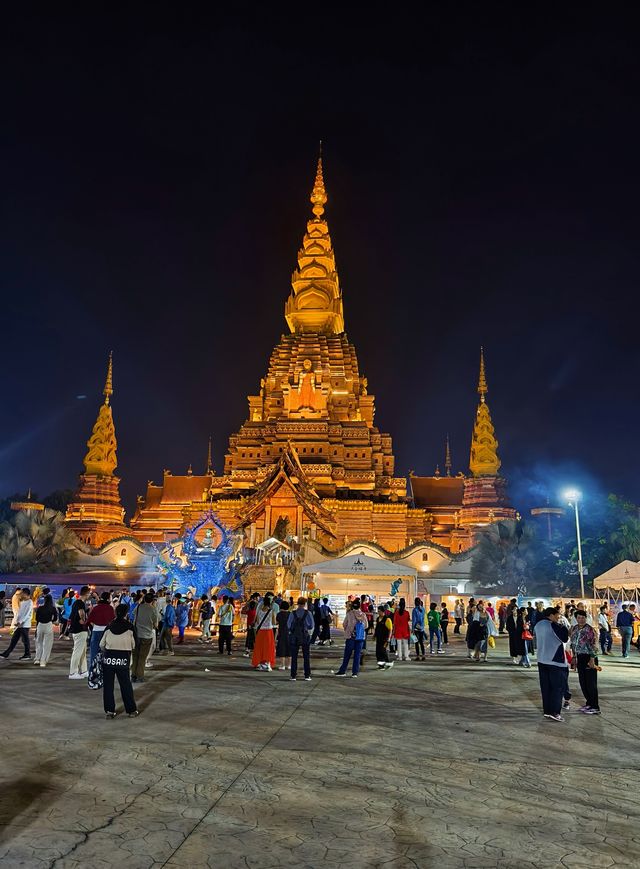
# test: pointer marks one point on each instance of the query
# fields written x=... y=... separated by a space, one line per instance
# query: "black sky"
x=481 y=167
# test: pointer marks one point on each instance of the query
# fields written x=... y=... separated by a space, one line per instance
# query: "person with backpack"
x=300 y=625
x=283 y=645
x=206 y=612
x=355 y=630
x=226 y=612
x=182 y=618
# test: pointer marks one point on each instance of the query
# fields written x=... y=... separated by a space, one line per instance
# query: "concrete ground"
x=438 y=764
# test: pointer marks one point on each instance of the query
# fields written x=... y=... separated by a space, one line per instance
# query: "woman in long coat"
x=515 y=644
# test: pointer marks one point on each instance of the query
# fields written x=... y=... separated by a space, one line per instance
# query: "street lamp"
x=573 y=496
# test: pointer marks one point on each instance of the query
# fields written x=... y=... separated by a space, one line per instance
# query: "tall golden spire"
x=315 y=303
x=484 y=461
x=101 y=455
x=447 y=459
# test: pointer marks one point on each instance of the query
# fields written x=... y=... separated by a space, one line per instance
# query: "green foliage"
x=36 y=542
x=59 y=500
x=510 y=559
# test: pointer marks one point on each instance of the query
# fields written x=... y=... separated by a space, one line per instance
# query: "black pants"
x=316 y=629
x=325 y=631
x=420 y=644
x=588 y=678
x=445 y=628
x=224 y=638
x=19 y=634
x=500 y=625
x=456 y=630
x=553 y=684
x=294 y=647
x=126 y=688
x=381 y=651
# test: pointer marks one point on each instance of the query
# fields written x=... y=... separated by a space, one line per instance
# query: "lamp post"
x=573 y=497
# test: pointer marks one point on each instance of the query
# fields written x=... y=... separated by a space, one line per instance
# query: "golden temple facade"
x=309 y=460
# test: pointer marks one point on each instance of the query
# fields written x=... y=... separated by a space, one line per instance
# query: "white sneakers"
x=78 y=675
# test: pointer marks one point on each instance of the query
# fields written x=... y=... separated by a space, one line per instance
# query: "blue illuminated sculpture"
x=203 y=566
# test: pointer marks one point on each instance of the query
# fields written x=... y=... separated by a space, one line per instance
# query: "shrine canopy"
x=623 y=575
x=361 y=574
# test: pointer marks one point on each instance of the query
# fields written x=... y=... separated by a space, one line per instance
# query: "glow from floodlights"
x=572 y=495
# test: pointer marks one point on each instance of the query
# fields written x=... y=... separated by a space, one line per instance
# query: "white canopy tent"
x=361 y=574
x=621 y=581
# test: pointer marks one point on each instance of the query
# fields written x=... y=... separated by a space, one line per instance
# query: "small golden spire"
x=108 y=386
x=209 y=464
x=447 y=459
x=318 y=196
x=482 y=381
x=437 y=471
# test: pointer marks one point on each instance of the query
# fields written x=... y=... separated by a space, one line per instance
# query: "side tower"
x=96 y=514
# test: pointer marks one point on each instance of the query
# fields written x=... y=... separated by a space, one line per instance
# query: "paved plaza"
x=444 y=764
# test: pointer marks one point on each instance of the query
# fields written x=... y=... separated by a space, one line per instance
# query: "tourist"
x=117 y=642
x=553 y=669
x=478 y=634
x=160 y=604
x=624 y=624
x=489 y=608
x=355 y=631
x=299 y=627
x=67 y=605
x=458 y=615
x=264 y=650
x=382 y=632
x=168 y=624
x=584 y=648
x=525 y=636
x=433 y=620
x=632 y=609
x=226 y=613
x=604 y=629
x=512 y=630
x=502 y=617
x=206 y=612
x=182 y=617
x=78 y=629
x=417 y=627
x=145 y=622
x=22 y=615
x=3 y=604
x=326 y=617
x=251 y=633
x=401 y=630
x=469 y=639
x=444 y=623
x=283 y=650
x=317 y=621
x=99 y=617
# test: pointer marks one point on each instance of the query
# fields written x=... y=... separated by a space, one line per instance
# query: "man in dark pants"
x=584 y=645
x=552 y=662
x=624 y=624
x=225 y=623
x=300 y=625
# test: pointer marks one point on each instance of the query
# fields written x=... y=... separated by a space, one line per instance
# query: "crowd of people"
x=115 y=634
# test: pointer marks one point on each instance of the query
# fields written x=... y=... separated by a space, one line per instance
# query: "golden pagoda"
x=308 y=453
x=96 y=514
x=485 y=492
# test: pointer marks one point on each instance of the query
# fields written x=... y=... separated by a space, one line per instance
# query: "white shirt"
x=602 y=621
x=24 y=614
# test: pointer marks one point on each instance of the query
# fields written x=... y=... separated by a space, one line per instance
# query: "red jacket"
x=401 y=625
x=102 y=614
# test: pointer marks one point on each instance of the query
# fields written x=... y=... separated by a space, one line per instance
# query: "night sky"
x=482 y=173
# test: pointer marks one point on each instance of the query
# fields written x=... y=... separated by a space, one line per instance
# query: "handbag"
x=413 y=639
x=527 y=635
x=492 y=641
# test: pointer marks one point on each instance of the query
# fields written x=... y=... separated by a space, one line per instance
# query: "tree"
x=36 y=542
x=59 y=500
x=510 y=559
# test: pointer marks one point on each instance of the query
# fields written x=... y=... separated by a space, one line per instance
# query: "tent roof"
x=359 y=565
x=623 y=575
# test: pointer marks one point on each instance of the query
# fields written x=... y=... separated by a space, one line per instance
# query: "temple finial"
x=318 y=196
x=108 y=386
x=447 y=459
x=437 y=471
x=209 y=465
x=482 y=381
